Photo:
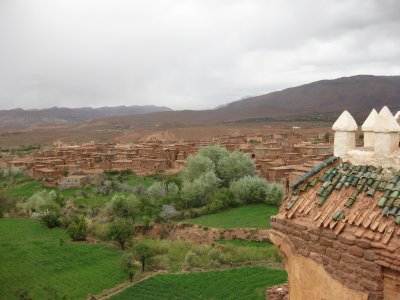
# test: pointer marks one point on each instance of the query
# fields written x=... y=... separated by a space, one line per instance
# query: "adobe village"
x=198 y=207
x=200 y=150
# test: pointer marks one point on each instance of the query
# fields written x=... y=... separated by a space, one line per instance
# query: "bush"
x=223 y=198
x=77 y=228
x=216 y=254
x=274 y=194
x=192 y=260
x=250 y=189
x=235 y=166
x=51 y=219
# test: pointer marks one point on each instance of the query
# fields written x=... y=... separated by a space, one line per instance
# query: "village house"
x=73 y=181
x=339 y=228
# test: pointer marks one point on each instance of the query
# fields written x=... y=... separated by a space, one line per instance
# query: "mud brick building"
x=339 y=228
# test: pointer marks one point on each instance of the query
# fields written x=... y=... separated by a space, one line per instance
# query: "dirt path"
x=121 y=287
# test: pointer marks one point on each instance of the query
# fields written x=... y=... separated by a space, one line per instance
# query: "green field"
x=248 y=216
x=146 y=181
x=34 y=259
x=240 y=283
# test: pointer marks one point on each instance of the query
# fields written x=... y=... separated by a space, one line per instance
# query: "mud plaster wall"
x=309 y=280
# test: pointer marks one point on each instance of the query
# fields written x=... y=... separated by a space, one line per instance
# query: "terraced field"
x=39 y=260
x=240 y=283
x=247 y=216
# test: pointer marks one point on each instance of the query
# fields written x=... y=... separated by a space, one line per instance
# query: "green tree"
x=200 y=191
x=157 y=190
x=197 y=166
x=77 y=228
x=121 y=232
x=128 y=266
x=214 y=152
x=235 y=166
x=142 y=253
x=249 y=189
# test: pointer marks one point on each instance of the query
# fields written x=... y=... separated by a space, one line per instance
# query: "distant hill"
x=321 y=99
x=324 y=99
x=17 y=118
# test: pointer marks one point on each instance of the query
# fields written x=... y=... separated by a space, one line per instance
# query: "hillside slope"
x=358 y=94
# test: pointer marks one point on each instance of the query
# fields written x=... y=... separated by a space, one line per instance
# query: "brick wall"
x=349 y=260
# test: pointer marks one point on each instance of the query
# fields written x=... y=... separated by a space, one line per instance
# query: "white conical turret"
x=345 y=122
x=385 y=122
x=368 y=129
x=397 y=116
x=345 y=134
x=386 y=130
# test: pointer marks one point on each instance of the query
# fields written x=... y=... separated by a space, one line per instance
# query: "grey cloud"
x=186 y=54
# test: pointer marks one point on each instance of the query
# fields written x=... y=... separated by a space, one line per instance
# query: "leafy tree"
x=214 y=152
x=124 y=206
x=200 y=191
x=249 y=189
x=173 y=190
x=128 y=266
x=168 y=212
x=197 y=166
x=6 y=204
x=121 y=232
x=142 y=253
x=157 y=190
x=235 y=166
x=77 y=228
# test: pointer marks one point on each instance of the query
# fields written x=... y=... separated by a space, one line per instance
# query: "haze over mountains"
x=325 y=98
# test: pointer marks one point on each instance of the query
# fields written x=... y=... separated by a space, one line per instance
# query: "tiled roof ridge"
x=366 y=197
x=314 y=171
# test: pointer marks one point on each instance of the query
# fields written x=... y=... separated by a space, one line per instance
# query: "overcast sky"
x=186 y=54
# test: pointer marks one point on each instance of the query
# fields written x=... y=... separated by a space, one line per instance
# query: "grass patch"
x=247 y=216
x=170 y=255
x=34 y=259
x=240 y=283
x=146 y=181
x=25 y=189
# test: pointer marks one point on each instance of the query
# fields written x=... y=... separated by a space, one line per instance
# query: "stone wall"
x=326 y=260
x=200 y=234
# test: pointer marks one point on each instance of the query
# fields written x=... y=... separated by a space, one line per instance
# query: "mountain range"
x=324 y=99
x=17 y=118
